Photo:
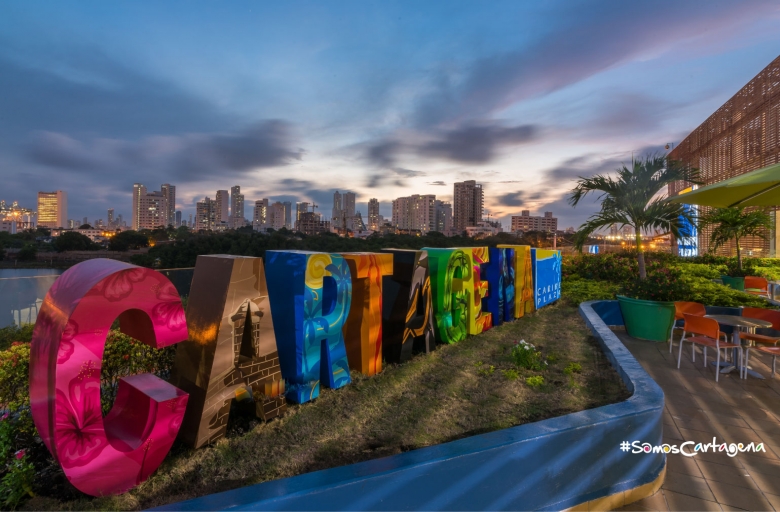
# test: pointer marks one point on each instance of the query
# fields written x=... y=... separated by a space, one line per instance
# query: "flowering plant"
x=526 y=356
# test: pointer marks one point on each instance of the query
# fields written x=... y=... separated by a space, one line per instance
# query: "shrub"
x=576 y=289
x=15 y=333
x=662 y=284
x=535 y=382
x=73 y=241
x=572 y=368
x=511 y=374
x=28 y=253
x=706 y=292
x=701 y=270
x=526 y=356
x=16 y=485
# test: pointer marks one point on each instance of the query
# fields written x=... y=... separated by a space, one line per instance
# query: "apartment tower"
x=468 y=203
x=53 y=209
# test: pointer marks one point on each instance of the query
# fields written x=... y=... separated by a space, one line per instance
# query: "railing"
x=22 y=291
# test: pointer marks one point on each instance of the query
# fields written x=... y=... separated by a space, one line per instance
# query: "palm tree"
x=735 y=223
x=634 y=198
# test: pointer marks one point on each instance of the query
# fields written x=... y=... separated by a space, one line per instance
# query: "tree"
x=28 y=253
x=633 y=198
x=73 y=241
x=128 y=240
x=733 y=224
x=85 y=226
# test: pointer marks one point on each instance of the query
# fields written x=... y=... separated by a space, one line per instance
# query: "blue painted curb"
x=548 y=465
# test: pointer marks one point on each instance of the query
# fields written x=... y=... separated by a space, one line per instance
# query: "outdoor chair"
x=757 y=286
x=769 y=336
x=772 y=351
x=706 y=333
x=680 y=308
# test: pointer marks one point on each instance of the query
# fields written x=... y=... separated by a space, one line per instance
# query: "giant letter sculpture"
x=363 y=328
x=108 y=455
x=231 y=351
x=310 y=295
x=547 y=276
x=478 y=286
x=450 y=270
x=524 y=288
x=494 y=275
x=407 y=307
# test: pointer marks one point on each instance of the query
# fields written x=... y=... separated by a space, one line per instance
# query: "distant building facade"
x=373 y=214
x=260 y=215
x=153 y=209
x=527 y=222
x=237 y=219
x=311 y=223
x=443 y=221
x=468 y=203
x=53 y=209
x=223 y=208
x=206 y=214
x=415 y=213
x=343 y=214
x=742 y=135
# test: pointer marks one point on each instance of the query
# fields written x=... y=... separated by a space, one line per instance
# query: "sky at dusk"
x=293 y=100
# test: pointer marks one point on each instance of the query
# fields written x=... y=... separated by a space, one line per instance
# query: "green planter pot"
x=738 y=283
x=647 y=319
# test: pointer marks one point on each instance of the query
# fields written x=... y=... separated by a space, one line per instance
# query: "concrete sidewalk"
x=732 y=410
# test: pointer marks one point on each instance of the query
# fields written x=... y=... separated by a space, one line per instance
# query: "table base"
x=727 y=367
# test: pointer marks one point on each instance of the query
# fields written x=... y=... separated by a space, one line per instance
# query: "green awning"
x=756 y=188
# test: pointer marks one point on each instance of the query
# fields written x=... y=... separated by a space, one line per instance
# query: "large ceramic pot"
x=738 y=283
x=647 y=319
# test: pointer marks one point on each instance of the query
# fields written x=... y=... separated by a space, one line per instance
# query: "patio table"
x=738 y=322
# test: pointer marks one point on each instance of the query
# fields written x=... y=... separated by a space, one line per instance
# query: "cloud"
x=476 y=143
x=438 y=183
x=585 y=40
x=192 y=157
x=396 y=175
x=470 y=143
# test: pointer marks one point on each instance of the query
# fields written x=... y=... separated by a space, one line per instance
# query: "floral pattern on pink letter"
x=108 y=455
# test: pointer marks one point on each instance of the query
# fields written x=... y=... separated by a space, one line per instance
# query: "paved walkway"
x=698 y=408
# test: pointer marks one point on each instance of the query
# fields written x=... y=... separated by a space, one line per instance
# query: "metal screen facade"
x=741 y=136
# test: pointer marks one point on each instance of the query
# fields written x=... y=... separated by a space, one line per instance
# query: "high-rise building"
x=110 y=217
x=338 y=207
x=223 y=205
x=311 y=223
x=527 y=222
x=276 y=216
x=373 y=214
x=120 y=223
x=85 y=221
x=260 y=215
x=468 y=204
x=415 y=213
x=177 y=221
x=53 y=209
x=343 y=210
x=287 y=214
x=236 y=207
x=206 y=214
x=300 y=209
x=443 y=221
x=153 y=209
x=169 y=193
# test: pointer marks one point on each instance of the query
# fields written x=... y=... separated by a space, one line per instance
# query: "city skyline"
x=296 y=101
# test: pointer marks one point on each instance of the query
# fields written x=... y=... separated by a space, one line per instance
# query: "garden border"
x=572 y=461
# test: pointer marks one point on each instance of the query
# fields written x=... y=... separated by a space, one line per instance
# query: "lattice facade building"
x=741 y=136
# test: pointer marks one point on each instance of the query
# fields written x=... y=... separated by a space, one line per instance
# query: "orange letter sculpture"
x=363 y=327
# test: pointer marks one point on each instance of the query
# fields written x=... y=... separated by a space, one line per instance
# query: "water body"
x=22 y=291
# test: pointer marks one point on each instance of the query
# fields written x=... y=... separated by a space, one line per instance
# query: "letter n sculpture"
x=231 y=352
x=310 y=295
x=110 y=455
x=407 y=307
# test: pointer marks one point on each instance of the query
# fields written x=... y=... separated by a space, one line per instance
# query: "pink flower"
x=20 y=454
x=119 y=285
x=78 y=426
x=169 y=312
x=5 y=416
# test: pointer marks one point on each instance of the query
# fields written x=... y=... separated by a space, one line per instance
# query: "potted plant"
x=634 y=197
x=734 y=223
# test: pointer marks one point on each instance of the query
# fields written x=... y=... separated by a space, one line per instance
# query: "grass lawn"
x=457 y=391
